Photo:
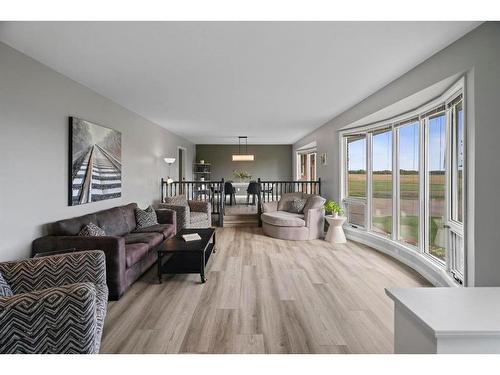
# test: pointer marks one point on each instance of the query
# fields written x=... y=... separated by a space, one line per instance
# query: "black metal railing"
x=206 y=191
x=273 y=190
x=213 y=192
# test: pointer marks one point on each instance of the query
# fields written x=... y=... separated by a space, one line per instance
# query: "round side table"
x=335 y=232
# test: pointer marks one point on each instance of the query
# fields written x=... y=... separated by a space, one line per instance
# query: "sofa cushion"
x=92 y=230
x=5 y=290
x=113 y=221
x=129 y=215
x=168 y=230
x=198 y=218
x=177 y=200
x=284 y=202
x=283 y=219
x=145 y=218
x=314 y=201
x=296 y=205
x=151 y=239
x=71 y=227
x=134 y=252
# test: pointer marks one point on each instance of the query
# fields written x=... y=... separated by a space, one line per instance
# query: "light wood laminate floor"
x=264 y=295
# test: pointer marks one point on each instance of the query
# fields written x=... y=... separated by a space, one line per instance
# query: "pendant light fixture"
x=246 y=156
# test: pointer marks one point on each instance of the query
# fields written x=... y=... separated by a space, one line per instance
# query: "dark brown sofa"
x=129 y=252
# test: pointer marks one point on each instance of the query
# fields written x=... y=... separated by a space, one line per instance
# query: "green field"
x=382 y=189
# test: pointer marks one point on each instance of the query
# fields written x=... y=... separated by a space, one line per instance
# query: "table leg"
x=215 y=247
x=202 y=268
x=159 y=268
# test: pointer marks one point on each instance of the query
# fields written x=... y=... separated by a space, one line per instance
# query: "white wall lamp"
x=169 y=162
x=246 y=156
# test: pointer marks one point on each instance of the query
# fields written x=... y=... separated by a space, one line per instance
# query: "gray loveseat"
x=129 y=251
x=278 y=222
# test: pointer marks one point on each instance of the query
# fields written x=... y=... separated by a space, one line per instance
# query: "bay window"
x=403 y=181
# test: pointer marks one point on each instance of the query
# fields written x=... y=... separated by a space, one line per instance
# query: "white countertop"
x=452 y=311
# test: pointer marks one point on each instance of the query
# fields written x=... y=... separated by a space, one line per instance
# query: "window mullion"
x=395 y=185
x=423 y=195
x=369 y=175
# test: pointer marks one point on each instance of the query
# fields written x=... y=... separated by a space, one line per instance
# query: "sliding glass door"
x=306 y=166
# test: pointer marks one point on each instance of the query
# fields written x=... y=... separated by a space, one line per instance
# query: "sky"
x=408 y=145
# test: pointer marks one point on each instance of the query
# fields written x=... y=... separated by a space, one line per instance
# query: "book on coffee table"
x=191 y=237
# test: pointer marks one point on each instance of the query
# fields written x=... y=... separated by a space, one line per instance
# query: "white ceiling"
x=213 y=81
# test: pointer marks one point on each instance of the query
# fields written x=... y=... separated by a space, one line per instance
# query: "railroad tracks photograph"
x=95 y=162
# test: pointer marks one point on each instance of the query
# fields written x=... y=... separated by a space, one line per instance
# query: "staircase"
x=241 y=220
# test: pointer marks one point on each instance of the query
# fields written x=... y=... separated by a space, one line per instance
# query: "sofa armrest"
x=315 y=221
x=270 y=206
x=55 y=320
x=183 y=216
x=166 y=216
x=33 y=274
x=113 y=248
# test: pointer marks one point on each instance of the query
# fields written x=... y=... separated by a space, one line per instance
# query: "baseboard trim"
x=425 y=267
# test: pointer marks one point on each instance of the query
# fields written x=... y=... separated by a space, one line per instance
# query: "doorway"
x=181 y=157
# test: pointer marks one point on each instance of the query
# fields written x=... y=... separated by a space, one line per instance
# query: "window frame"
x=345 y=189
x=420 y=114
x=307 y=153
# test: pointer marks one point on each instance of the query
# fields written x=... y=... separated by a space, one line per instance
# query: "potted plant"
x=333 y=208
x=241 y=174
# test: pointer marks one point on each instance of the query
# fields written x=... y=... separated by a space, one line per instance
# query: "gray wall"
x=35 y=103
x=476 y=55
x=272 y=162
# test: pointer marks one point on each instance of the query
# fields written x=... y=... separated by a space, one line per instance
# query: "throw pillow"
x=5 y=290
x=92 y=230
x=296 y=205
x=177 y=200
x=284 y=202
x=145 y=218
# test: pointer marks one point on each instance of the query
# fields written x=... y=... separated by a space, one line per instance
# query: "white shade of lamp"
x=169 y=162
x=243 y=157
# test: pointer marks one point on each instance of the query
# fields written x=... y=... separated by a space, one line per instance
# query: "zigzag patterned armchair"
x=58 y=304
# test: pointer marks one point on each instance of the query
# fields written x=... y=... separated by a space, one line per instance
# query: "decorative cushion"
x=314 y=201
x=283 y=203
x=283 y=219
x=145 y=218
x=5 y=290
x=92 y=230
x=296 y=205
x=177 y=200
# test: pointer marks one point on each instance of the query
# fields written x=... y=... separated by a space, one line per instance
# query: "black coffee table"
x=184 y=256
